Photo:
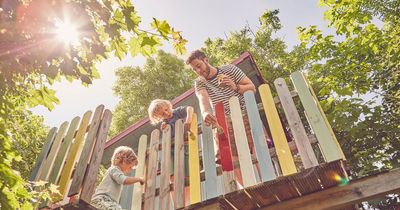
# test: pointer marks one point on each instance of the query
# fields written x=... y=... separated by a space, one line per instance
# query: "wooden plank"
x=165 y=168
x=307 y=181
x=223 y=138
x=356 y=191
x=241 y=200
x=43 y=154
x=262 y=194
x=49 y=163
x=267 y=171
x=229 y=182
x=179 y=166
x=89 y=182
x=149 y=196
x=209 y=165
x=194 y=168
x=296 y=126
x=328 y=125
x=73 y=154
x=283 y=188
x=86 y=152
x=136 y=203
x=329 y=148
x=281 y=146
x=246 y=166
x=62 y=153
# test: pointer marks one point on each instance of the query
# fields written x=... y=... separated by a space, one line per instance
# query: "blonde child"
x=108 y=192
x=160 y=111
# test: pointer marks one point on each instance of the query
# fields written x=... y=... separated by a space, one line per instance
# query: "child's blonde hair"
x=123 y=154
x=154 y=107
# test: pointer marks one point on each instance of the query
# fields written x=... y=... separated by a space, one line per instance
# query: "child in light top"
x=108 y=193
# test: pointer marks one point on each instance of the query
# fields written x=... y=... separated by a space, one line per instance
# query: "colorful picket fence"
x=71 y=157
x=207 y=180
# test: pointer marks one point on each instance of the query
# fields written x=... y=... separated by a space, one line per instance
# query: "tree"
x=164 y=76
x=361 y=59
x=269 y=53
x=32 y=58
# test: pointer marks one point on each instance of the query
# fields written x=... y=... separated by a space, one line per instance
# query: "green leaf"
x=162 y=27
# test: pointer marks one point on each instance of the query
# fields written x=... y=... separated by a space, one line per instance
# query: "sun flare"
x=67 y=32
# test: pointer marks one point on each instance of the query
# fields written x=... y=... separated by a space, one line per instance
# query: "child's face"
x=164 y=112
x=128 y=167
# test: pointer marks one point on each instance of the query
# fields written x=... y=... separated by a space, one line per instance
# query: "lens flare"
x=67 y=32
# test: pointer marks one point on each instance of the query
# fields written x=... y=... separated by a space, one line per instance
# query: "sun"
x=67 y=32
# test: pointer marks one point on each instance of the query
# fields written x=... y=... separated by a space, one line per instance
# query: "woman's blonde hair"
x=123 y=154
x=154 y=107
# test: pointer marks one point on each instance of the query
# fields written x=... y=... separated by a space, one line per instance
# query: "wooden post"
x=281 y=146
x=296 y=126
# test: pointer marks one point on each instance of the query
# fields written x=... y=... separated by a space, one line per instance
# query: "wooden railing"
x=71 y=157
x=206 y=180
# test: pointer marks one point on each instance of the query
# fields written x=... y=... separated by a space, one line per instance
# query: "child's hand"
x=163 y=125
x=142 y=180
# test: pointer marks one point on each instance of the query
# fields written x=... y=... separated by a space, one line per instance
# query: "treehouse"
x=304 y=168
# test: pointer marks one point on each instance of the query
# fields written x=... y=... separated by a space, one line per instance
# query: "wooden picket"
x=194 y=168
x=62 y=153
x=328 y=144
x=43 y=154
x=152 y=166
x=260 y=142
x=48 y=164
x=296 y=126
x=281 y=146
x=179 y=166
x=246 y=165
x=74 y=154
x=165 y=168
x=137 y=187
x=86 y=152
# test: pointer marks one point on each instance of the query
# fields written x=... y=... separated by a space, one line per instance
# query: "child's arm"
x=189 y=113
x=132 y=180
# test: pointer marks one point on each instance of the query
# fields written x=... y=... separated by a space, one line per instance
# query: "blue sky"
x=198 y=20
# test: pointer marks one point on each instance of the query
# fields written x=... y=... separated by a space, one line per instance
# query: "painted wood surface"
x=73 y=154
x=209 y=165
x=86 y=152
x=246 y=164
x=223 y=139
x=149 y=196
x=260 y=142
x=62 y=153
x=194 y=168
x=43 y=154
x=328 y=146
x=165 y=168
x=296 y=126
x=281 y=146
x=48 y=164
x=89 y=182
x=179 y=166
x=324 y=117
x=136 y=203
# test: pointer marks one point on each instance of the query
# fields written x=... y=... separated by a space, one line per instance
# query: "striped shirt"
x=222 y=94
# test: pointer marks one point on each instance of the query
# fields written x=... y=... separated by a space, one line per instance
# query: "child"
x=108 y=192
x=161 y=111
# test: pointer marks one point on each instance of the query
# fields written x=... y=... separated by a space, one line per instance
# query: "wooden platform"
x=281 y=189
